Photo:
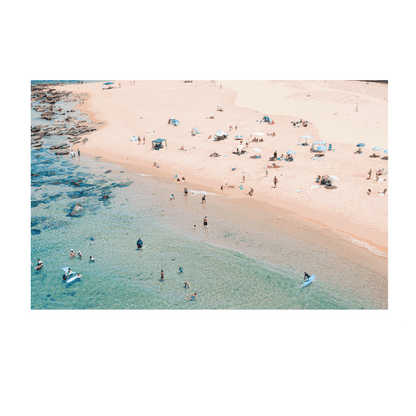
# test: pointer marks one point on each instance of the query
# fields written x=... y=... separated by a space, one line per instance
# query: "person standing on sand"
x=369 y=174
x=79 y=153
x=204 y=199
x=205 y=221
x=369 y=192
x=275 y=181
x=144 y=139
x=185 y=191
x=267 y=172
x=244 y=179
x=139 y=140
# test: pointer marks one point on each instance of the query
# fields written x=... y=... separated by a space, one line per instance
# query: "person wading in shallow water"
x=162 y=275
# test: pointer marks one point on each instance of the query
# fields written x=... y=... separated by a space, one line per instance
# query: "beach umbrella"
x=108 y=83
x=321 y=148
x=386 y=151
x=290 y=152
x=360 y=145
x=306 y=136
x=377 y=148
x=239 y=136
x=256 y=149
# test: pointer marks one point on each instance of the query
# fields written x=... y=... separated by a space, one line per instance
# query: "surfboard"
x=309 y=281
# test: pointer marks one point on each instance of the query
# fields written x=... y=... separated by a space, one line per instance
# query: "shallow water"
x=245 y=259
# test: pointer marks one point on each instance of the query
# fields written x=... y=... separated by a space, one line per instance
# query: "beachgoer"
x=222 y=187
x=244 y=178
x=385 y=192
x=119 y=85
x=79 y=153
x=39 y=264
x=144 y=139
x=369 y=192
x=192 y=297
x=235 y=128
x=72 y=253
x=185 y=191
x=204 y=199
x=180 y=270
x=172 y=197
x=251 y=192
x=275 y=181
x=306 y=276
x=79 y=276
x=139 y=140
x=194 y=227
x=186 y=285
x=91 y=259
x=154 y=164
x=267 y=172
x=183 y=178
x=205 y=221
x=79 y=255
x=162 y=275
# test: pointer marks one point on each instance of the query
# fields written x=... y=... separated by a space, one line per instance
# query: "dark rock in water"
x=35 y=231
x=62 y=152
x=108 y=171
x=77 y=210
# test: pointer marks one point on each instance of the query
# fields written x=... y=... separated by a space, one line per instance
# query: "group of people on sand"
x=378 y=174
x=139 y=140
x=186 y=285
x=301 y=122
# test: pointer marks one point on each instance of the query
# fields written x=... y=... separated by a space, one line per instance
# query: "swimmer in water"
x=192 y=297
x=186 y=285
x=162 y=275
x=79 y=255
x=39 y=264
x=180 y=270
x=91 y=260
x=72 y=253
x=194 y=227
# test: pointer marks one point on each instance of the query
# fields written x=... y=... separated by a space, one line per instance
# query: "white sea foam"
x=361 y=244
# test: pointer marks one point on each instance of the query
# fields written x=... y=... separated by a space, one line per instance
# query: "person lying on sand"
x=374 y=155
x=181 y=148
x=369 y=174
x=251 y=192
x=359 y=151
x=369 y=192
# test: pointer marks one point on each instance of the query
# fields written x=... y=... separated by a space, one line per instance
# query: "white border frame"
x=24 y=316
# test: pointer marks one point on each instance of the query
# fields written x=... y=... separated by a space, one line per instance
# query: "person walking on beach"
x=205 y=221
x=204 y=199
x=275 y=181
x=267 y=172
x=369 y=192
x=244 y=179
x=369 y=174
x=185 y=191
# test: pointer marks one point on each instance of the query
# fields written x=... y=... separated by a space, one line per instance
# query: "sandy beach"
x=342 y=113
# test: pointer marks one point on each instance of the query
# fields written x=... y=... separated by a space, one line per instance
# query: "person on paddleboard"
x=306 y=277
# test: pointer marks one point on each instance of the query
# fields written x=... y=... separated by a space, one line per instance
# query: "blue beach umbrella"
x=321 y=148
x=377 y=148
x=290 y=152
x=108 y=83
x=360 y=145
x=386 y=151
x=239 y=136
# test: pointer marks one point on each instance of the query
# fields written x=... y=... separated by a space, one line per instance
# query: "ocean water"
x=245 y=259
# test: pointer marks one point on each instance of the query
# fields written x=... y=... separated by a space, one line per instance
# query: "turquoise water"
x=245 y=259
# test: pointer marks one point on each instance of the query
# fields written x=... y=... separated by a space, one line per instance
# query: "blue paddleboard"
x=309 y=281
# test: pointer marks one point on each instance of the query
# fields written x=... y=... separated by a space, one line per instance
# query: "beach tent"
x=267 y=119
x=220 y=135
x=240 y=149
x=159 y=144
x=315 y=144
x=194 y=131
x=220 y=107
x=107 y=85
x=303 y=140
x=174 y=122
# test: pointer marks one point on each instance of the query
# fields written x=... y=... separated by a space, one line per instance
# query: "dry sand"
x=329 y=105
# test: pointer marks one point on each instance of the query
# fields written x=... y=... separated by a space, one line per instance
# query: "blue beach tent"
x=107 y=85
x=174 y=122
x=159 y=144
x=267 y=120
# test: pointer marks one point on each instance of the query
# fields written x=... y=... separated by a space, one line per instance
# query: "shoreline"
x=337 y=223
